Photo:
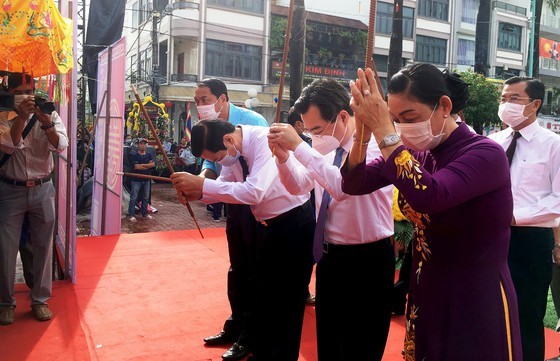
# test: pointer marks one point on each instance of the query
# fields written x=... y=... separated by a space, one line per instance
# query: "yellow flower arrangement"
x=397 y=214
x=136 y=119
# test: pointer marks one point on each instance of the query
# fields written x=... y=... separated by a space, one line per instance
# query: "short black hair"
x=293 y=117
x=534 y=87
x=209 y=135
x=326 y=94
x=216 y=86
x=427 y=84
x=15 y=80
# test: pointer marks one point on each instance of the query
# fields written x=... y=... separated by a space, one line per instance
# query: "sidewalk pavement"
x=171 y=215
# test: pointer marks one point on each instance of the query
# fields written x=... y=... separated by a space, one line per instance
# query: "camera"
x=42 y=103
x=6 y=101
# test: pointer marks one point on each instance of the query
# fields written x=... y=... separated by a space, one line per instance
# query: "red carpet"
x=147 y=296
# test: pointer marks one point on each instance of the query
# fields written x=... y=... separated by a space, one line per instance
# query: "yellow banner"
x=35 y=38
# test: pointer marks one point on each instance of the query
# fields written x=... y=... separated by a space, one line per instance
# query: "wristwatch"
x=389 y=139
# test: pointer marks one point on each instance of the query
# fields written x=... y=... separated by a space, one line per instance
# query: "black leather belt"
x=29 y=183
x=285 y=215
x=358 y=247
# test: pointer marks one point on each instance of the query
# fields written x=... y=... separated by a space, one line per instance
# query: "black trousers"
x=530 y=264
x=240 y=232
x=346 y=330
x=285 y=262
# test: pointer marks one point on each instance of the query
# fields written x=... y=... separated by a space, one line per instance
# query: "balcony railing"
x=509 y=8
x=186 y=78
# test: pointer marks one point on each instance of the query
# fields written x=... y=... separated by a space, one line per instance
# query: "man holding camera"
x=27 y=142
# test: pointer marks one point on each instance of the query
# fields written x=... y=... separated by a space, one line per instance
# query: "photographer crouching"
x=26 y=163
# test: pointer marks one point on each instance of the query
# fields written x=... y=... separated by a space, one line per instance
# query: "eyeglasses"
x=319 y=133
x=513 y=99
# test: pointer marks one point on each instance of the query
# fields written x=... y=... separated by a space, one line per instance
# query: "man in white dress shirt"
x=26 y=187
x=534 y=155
x=284 y=233
x=357 y=254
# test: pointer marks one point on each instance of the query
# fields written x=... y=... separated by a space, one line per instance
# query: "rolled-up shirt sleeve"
x=62 y=136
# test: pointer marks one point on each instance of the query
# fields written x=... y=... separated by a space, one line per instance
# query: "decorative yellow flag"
x=35 y=38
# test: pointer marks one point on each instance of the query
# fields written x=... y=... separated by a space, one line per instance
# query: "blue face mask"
x=229 y=160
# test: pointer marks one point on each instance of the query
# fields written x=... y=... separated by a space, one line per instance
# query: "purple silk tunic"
x=462 y=303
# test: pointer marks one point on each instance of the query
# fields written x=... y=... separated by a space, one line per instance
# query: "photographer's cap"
x=142 y=140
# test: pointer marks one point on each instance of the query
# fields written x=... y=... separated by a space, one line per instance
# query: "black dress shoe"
x=236 y=352
x=220 y=339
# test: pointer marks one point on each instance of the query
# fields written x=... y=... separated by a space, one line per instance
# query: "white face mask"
x=229 y=160
x=208 y=111
x=325 y=144
x=18 y=98
x=418 y=136
x=512 y=114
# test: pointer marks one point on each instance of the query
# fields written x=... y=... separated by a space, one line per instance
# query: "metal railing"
x=509 y=8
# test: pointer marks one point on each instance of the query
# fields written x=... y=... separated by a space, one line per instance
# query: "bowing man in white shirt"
x=534 y=155
x=353 y=251
x=284 y=235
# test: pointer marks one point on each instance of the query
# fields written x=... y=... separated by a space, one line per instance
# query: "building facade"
x=172 y=45
x=241 y=42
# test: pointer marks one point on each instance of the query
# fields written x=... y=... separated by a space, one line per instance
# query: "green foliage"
x=404 y=231
x=278 y=26
x=482 y=107
x=553 y=5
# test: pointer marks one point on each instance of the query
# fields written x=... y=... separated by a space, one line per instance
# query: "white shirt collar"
x=527 y=132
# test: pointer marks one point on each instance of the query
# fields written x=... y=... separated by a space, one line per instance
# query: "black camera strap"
x=26 y=131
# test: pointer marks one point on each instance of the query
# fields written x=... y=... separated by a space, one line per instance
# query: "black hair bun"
x=459 y=91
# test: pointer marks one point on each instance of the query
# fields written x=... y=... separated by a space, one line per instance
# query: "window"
x=233 y=60
x=145 y=10
x=436 y=9
x=252 y=6
x=384 y=20
x=431 y=50
x=465 y=53
x=506 y=73
x=133 y=68
x=135 y=15
x=549 y=63
x=470 y=10
x=145 y=65
x=509 y=37
x=509 y=8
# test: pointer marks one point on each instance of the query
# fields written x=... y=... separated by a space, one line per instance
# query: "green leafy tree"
x=482 y=107
x=277 y=32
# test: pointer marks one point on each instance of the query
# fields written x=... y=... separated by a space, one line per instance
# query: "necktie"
x=511 y=148
x=244 y=167
x=322 y=217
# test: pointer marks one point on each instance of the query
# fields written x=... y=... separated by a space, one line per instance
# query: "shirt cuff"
x=284 y=167
x=210 y=188
x=304 y=154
